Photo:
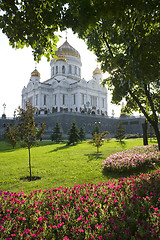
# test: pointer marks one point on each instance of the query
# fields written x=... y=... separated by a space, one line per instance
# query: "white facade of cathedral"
x=65 y=91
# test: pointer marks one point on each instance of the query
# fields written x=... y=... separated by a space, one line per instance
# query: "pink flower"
x=80 y=230
x=27 y=231
x=66 y=238
x=156 y=209
x=115 y=227
x=16 y=210
x=100 y=238
x=78 y=219
x=86 y=210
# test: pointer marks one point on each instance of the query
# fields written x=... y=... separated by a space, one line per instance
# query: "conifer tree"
x=96 y=129
x=120 y=132
x=73 y=134
x=82 y=134
x=57 y=133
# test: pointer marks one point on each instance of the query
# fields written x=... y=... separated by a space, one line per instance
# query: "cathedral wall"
x=87 y=121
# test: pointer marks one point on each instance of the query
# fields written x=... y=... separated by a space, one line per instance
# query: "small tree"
x=120 y=132
x=57 y=133
x=73 y=134
x=95 y=129
x=27 y=131
x=82 y=134
x=11 y=135
x=98 y=140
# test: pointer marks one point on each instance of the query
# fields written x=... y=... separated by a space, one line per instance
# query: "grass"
x=56 y=164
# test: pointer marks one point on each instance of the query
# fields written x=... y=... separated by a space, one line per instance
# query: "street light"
x=4 y=107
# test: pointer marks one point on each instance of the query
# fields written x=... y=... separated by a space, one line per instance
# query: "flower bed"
x=119 y=210
x=137 y=157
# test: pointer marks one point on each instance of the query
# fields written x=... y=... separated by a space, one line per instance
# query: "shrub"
x=133 y=159
x=125 y=209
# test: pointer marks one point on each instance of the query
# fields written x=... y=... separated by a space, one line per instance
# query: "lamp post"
x=4 y=107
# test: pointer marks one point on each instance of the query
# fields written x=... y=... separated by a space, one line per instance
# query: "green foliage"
x=125 y=40
x=124 y=37
x=57 y=133
x=73 y=134
x=11 y=135
x=120 y=132
x=126 y=209
x=32 y=23
x=27 y=130
x=82 y=136
x=98 y=140
x=96 y=129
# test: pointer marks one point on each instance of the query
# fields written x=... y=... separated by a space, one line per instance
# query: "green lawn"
x=56 y=164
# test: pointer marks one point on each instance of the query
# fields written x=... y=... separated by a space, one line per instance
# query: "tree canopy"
x=125 y=38
x=32 y=23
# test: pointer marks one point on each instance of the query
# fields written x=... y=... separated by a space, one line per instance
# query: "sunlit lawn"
x=56 y=164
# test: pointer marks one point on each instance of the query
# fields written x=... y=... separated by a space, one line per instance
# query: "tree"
x=120 y=132
x=73 y=134
x=81 y=134
x=27 y=130
x=98 y=140
x=124 y=37
x=57 y=133
x=95 y=129
x=145 y=135
x=32 y=23
x=151 y=134
x=11 y=135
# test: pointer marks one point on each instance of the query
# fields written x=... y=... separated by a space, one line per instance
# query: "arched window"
x=56 y=69
x=45 y=99
x=52 y=71
x=75 y=70
x=70 y=69
x=63 y=69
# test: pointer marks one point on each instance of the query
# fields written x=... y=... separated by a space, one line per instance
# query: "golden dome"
x=97 y=71
x=35 y=73
x=61 y=58
x=67 y=49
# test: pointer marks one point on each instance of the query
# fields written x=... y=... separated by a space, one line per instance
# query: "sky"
x=16 y=66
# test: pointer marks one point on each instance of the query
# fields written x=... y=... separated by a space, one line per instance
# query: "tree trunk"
x=145 y=137
x=157 y=133
x=30 y=163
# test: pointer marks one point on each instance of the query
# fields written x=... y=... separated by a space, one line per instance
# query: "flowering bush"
x=133 y=159
x=119 y=210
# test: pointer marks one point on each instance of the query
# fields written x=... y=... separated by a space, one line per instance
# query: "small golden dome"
x=61 y=58
x=35 y=73
x=97 y=71
x=67 y=49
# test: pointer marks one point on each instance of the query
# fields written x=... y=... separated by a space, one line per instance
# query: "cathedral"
x=66 y=91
